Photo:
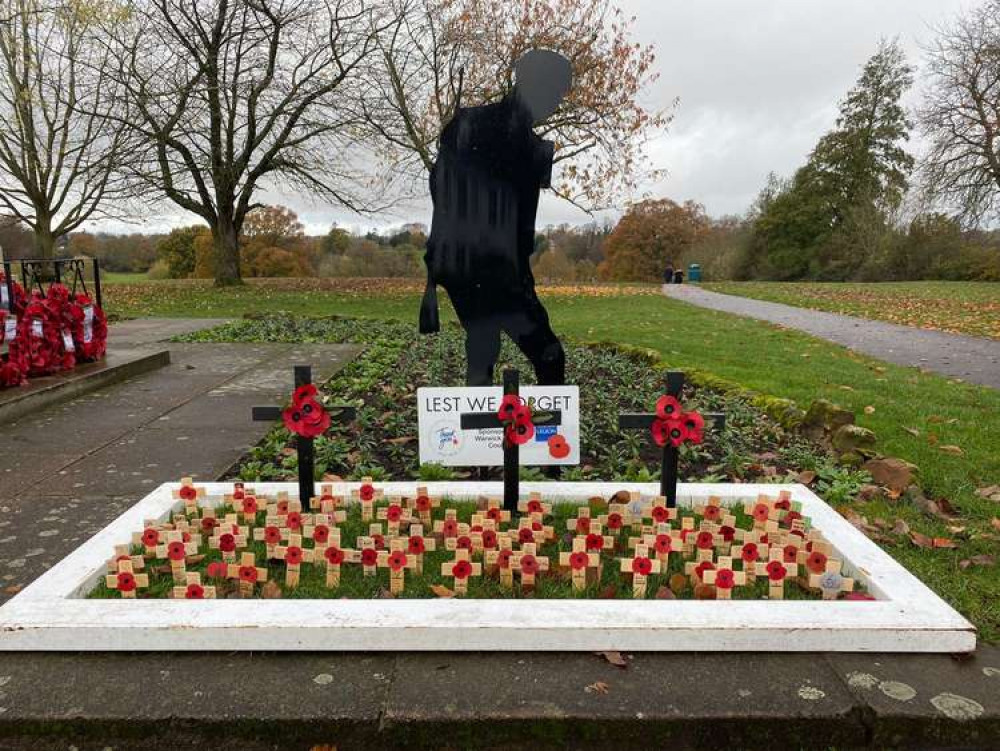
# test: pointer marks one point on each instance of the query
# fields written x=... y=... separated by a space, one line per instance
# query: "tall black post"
x=671 y=456
x=511 y=451
x=97 y=283
x=307 y=455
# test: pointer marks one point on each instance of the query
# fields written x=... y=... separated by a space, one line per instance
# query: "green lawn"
x=913 y=413
x=959 y=307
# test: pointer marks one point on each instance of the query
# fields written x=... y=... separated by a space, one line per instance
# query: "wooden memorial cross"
x=189 y=493
x=328 y=503
x=617 y=518
x=596 y=540
x=535 y=505
x=293 y=555
x=501 y=558
x=511 y=450
x=696 y=569
x=580 y=524
x=831 y=582
x=417 y=545
x=149 y=538
x=580 y=563
x=227 y=543
x=530 y=531
x=320 y=528
x=483 y=532
x=494 y=510
x=124 y=553
x=334 y=557
x=397 y=560
x=193 y=589
x=724 y=578
x=529 y=564
x=271 y=535
x=176 y=551
x=460 y=570
x=395 y=515
x=247 y=573
x=658 y=510
x=126 y=581
x=367 y=555
x=640 y=567
x=750 y=551
x=777 y=570
x=711 y=510
x=424 y=505
x=663 y=541
x=304 y=446
x=670 y=455
x=248 y=506
x=448 y=526
x=366 y=496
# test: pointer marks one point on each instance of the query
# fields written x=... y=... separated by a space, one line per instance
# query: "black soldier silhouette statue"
x=485 y=184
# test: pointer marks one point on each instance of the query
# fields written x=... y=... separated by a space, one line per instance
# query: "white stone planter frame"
x=52 y=615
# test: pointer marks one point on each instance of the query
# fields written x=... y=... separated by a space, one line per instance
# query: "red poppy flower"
x=789 y=553
x=798 y=533
x=668 y=408
x=503 y=560
x=614 y=520
x=248 y=574
x=272 y=535
x=525 y=534
x=464 y=543
x=792 y=516
x=642 y=566
x=367 y=492
x=294 y=520
x=704 y=540
x=520 y=432
x=185 y=537
x=510 y=406
x=308 y=419
x=728 y=533
x=334 y=555
x=816 y=562
x=558 y=447
x=534 y=506
x=293 y=555
x=150 y=537
x=369 y=557
x=495 y=514
x=394 y=512
x=661 y=514
x=303 y=394
x=537 y=526
x=379 y=541
x=578 y=561
x=416 y=545
x=489 y=539
x=476 y=528
x=783 y=504
x=208 y=523
x=227 y=543
x=595 y=542
x=423 y=503
x=582 y=525
x=397 y=560
x=450 y=527
x=194 y=592
x=188 y=492
x=126 y=582
x=529 y=564
x=282 y=507
x=216 y=570
x=713 y=513
x=724 y=579
x=321 y=534
x=461 y=570
x=694 y=427
x=761 y=512
x=676 y=433
x=663 y=544
x=750 y=552
x=238 y=492
x=776 y=571
x=702 y=567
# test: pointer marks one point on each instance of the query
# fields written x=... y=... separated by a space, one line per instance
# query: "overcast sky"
x=758 y=83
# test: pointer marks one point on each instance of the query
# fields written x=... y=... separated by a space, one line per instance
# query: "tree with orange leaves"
x=448 y=53
x=650 y=234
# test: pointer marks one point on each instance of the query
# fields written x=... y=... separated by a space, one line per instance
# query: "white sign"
x=443 y=441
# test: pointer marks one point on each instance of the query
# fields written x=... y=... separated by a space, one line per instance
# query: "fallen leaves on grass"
x=923 y=541
x=442 y=591
x=990 y=492
x=270 y=590
x=995 y=522
x=600 y=687
x=664 y=593
x=951 y=449
x=977 y=560
x=614 y=658
x=806 y=476
x=912 y=431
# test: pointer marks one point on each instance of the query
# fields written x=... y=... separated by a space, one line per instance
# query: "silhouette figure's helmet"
x=542 y=80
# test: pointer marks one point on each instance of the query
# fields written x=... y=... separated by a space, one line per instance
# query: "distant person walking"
x=668 y=274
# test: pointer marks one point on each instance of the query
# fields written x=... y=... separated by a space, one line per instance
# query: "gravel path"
x=967 y=357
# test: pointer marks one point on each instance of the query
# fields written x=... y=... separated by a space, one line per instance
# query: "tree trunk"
x=227 y=254
x=45 y=247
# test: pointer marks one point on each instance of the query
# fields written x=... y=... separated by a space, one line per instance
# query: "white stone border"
x=51 y=614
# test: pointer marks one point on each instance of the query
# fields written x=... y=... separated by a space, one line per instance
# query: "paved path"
x=967 y=357
x=68 y=470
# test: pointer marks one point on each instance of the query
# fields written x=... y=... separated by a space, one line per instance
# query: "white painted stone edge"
x=50 y=614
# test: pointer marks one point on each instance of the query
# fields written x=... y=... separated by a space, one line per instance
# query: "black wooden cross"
x=511 y=452
x=668 y=462
x=304 y=446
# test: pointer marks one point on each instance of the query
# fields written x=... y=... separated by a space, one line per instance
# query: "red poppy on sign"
x=582 y=525
x=728 y=533
x=495 y=514
x=294 y=520
x=614 y=520
x=761 y=512
x=535 y=506
x=450 y=527
x=789 y=553
x=208 y=523
x=661 y=514
x=713 y=513
x=464 y=542
x=520 y=431
x=694 y=427
x=702 y=567
x=423 y=503
x=510 y=407
x=558 y=447
x=303 y=394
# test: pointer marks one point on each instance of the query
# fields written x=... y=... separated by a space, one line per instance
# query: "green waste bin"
x=694 y=272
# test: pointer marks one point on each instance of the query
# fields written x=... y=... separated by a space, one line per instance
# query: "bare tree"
x=60 y=149
x=961 y=115
x=232 y=96
x=449 y=49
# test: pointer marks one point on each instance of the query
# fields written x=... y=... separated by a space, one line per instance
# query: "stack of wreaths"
x=48 y=334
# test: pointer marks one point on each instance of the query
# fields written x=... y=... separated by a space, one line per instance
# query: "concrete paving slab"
x=145 y=331
x=971 y=358
x=661 y=700
x=927 y=701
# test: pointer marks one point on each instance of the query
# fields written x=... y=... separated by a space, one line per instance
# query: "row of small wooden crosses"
x=776 y=547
